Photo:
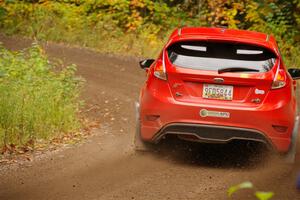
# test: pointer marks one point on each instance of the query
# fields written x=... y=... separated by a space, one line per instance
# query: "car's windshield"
x=211 y=55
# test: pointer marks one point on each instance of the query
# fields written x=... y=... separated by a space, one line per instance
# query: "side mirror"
x=295 y=73
x=144 y=64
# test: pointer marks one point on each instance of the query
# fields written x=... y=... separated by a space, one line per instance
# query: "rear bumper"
x=210 y=133
x=161 y=114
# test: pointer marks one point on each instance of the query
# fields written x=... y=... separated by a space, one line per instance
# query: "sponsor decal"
x=210 y=113
x=257 y=91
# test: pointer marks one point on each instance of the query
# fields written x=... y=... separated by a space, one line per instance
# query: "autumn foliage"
x=140 y=27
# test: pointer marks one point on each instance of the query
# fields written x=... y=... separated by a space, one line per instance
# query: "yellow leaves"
x=225 y=12
x=232 y=22
x=135 y=19
x=153 y=41
x=137 y=3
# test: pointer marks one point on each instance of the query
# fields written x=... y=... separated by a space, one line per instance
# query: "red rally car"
x=217 y=85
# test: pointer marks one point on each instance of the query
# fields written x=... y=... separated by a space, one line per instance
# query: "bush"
x=138 y=27
x=38 y=99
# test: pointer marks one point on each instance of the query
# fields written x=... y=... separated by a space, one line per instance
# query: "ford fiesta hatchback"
x=217 y=85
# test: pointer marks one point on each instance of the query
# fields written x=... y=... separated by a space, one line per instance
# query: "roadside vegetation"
x=39 y=99
x=140 y=27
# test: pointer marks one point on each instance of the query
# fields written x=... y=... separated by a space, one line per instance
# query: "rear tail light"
x=160 y=69
x=159 y=72
x=279 y=80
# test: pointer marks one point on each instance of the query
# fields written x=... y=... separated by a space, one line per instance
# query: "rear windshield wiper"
x=236 y=69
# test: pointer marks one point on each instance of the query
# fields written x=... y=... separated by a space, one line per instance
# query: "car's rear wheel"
x=139 y=143
x=289 y=157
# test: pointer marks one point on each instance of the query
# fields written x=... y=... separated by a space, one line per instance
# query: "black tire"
x=290 y=156
x=139 y=143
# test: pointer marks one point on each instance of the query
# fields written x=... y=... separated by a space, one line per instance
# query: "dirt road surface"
x=106 y=166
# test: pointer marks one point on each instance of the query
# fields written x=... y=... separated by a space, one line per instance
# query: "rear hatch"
x=219 y=72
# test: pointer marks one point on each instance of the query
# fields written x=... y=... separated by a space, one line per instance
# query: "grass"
x=39 y=99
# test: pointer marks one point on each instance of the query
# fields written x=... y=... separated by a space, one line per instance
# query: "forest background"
x=140 y=27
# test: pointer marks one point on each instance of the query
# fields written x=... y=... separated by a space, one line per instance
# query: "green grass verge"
x=39 y=99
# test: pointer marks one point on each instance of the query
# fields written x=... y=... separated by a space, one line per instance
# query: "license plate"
x=221 y=92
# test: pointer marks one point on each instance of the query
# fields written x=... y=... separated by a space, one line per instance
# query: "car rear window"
x=205 y=55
